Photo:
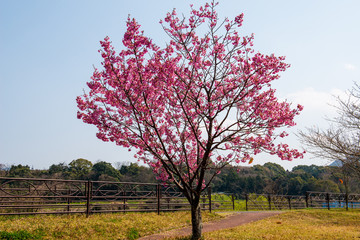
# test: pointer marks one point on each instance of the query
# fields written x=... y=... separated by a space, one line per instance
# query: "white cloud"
x=318 y=105
x=314 y=100
x=349 y=66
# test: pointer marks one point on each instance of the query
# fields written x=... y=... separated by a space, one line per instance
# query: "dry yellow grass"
x=98 y=226
x=302 y=224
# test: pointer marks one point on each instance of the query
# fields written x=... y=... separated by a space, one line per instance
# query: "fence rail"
x=55 y=196
x=27 y=196
x=310 y=200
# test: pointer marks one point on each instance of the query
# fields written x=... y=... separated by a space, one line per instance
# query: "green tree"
x=311 y=170
x=105 y=171
x=20 y=171
x=275 y=169
x=234 y=182
x=296 y=185
x=326 y=186
x=80 y=168
x=58 y=169
x=131 y=169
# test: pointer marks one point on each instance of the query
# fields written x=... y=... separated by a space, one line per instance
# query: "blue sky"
x=48 y=49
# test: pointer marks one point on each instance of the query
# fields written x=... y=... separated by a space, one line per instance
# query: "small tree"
x=103 y=170
x=20 y=171
x=341 y=141
x=60 y=169
x=80 y=168
x=198 y=104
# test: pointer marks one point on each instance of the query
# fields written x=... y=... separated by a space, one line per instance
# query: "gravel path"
x=234 y=220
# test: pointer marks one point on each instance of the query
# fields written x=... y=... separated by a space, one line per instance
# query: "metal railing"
x=27 y=196
x=310 y=200
x=55 y=196
x=332 y=200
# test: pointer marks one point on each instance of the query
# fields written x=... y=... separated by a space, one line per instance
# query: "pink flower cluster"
x=199 y=103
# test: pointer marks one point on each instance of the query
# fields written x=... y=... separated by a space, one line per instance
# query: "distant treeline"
x=269 y=178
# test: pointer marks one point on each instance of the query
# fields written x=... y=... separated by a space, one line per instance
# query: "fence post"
x=209 y=196
x=233 y=201
x=307 y=199
x=158 y=191
x=328 y=200
x=289 y=200
x=88 y=196
x=269 y=199
x=246 y=201
x=68 y=201
x=56 y=199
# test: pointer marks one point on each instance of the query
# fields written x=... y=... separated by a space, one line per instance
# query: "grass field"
x=97 y=226
x=299 y=224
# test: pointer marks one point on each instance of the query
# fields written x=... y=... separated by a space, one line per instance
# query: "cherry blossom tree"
x=192 y=107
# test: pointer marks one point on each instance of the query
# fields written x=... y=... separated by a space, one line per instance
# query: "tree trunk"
x=196 y=221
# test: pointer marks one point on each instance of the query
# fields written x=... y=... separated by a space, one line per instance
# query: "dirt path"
x=234 y=220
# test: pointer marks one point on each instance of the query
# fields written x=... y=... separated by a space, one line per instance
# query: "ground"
x=232 y=220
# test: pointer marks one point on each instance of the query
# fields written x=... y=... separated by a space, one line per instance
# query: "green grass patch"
x=223 y=202
x=133 y=234
x=21 y=235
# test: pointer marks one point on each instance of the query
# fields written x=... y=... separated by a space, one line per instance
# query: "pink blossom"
x=201 y=102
